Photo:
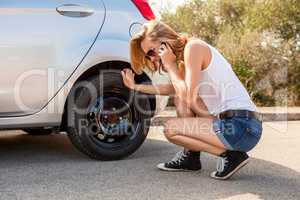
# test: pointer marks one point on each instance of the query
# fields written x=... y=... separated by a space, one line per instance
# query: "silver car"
x=60 y=65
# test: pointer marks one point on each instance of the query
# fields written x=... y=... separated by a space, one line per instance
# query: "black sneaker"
x=229 y=163
x=183 y=161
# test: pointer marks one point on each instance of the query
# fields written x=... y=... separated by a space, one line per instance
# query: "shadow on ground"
x=48 y=167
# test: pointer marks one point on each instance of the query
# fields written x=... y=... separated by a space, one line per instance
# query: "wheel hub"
x=113 y=117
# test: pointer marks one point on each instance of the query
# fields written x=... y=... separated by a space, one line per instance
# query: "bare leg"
x=200 y=109
x=181 y=109
x=195 y=134
x=196 y=145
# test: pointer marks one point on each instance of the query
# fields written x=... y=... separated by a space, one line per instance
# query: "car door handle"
x=74 y=10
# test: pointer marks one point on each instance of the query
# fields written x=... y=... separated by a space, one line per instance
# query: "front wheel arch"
x=95 y=70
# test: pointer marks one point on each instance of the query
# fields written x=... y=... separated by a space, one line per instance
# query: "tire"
x=38 y=131
x=106 y=121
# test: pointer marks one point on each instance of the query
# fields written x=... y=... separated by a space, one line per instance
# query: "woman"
x=215 y=112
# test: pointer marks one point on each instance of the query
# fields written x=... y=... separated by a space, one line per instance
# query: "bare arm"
x=161 y=89
x=187 y=87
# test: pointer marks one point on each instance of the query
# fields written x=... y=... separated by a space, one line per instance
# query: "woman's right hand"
x=128 y=78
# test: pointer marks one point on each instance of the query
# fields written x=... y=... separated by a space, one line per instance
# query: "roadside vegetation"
x=261 y=39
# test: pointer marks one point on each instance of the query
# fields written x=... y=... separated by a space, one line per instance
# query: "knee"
x=181 y=108
x=178 y=102
x=169 y=131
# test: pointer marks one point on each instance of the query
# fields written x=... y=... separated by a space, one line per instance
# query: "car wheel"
x=107 y=121
x=38 y=131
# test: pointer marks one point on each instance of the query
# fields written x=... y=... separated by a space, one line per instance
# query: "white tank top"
x=220 y=88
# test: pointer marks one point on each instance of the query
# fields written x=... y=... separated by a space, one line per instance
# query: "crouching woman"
x=215 y=112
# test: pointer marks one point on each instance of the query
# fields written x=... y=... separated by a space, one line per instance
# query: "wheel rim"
x=111 y=121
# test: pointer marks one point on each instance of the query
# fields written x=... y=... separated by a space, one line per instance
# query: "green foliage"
x=191 y=18
x=260 y=38
x=282 y=17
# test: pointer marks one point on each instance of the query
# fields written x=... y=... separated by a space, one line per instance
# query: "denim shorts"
x=238 y=133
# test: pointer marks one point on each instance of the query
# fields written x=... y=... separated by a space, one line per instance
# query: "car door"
x=41 y=44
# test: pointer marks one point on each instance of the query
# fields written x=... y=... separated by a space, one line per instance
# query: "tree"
x=260 y=38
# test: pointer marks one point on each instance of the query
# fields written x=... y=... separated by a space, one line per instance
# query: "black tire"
x=119 y=138
x=38 y=131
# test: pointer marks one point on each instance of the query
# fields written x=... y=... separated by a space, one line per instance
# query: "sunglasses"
x=151 y=53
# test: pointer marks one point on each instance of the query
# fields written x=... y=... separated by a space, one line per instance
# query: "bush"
x=259 y=38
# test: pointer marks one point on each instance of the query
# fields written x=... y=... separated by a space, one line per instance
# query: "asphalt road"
x=49 y=167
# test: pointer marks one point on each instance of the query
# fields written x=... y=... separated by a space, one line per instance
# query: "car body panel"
x=111 y=45
x=40 y=48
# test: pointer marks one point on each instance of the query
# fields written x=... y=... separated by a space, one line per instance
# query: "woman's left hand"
x=167 y=56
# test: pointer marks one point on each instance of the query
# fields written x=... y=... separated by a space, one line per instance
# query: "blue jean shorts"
x=238 y=133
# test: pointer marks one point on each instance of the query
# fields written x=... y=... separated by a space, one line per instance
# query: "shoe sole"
x=163 y=168
x=242 y=164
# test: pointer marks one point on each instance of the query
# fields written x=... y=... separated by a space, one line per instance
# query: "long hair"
x=156 y=31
